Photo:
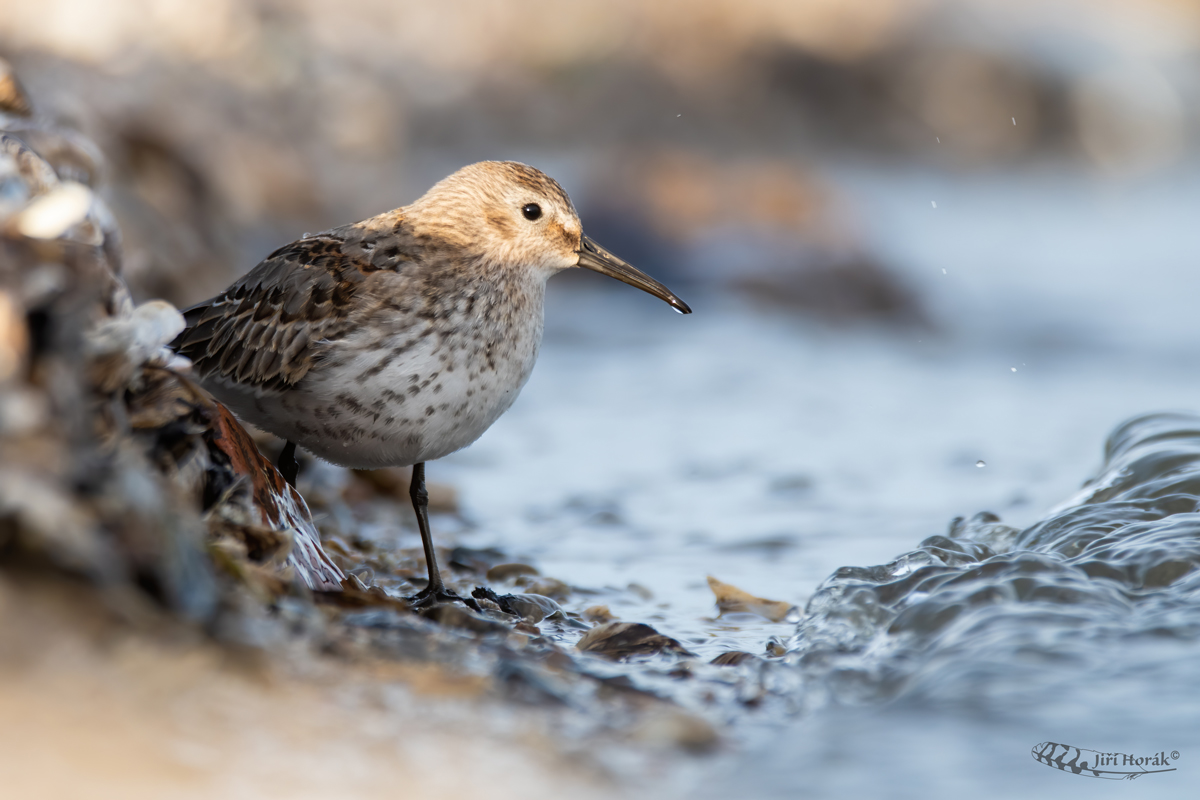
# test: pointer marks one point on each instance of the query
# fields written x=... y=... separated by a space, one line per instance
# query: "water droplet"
x=943 y=270
x=1014 y=369
x=981 y=463
x=1014 y=120
x=939 y=139
x=933 y=203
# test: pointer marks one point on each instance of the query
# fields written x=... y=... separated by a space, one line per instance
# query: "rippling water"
x=943 y=667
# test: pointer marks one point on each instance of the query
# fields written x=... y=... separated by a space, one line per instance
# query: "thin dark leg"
x=288 y=465
x=436 y=590
x=420 y=501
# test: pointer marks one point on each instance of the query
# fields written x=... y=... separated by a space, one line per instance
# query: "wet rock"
x=731 y=599
x=674 y=728
x=733 y=658
x=599 y=613
x=531 y=607
x=550 y=587
x=506 y=572
x=619 y=640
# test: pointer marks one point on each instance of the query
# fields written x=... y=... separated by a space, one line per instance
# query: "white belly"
x=399 y=401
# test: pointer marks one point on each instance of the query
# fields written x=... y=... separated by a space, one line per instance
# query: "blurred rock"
x=475 y=559
x=620 y=640
x=532 y=608
x=765 y=227
x=505 y=572
x=598 y=614
x=839 y=289
x=981 y=107
x=121 y=467
x=733 y=658
x=394 y=482
x=179 y=235
x=678 y=729
x=13 y=99
x=1130 y=119
x=549 y=587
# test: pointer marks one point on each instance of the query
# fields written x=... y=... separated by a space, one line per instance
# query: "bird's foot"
x=433 y=595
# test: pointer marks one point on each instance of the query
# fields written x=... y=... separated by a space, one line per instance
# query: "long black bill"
x=594 y=257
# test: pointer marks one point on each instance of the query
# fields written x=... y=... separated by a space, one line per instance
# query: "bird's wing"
x=267 y=330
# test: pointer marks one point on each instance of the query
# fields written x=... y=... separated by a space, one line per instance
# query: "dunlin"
x=402 y=338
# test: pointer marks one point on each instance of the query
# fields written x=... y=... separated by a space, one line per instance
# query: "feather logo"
x=1106 y=766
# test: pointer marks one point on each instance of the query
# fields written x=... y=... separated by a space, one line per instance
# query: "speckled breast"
x=404 y=393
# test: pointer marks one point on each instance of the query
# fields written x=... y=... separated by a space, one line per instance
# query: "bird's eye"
x=532 y=211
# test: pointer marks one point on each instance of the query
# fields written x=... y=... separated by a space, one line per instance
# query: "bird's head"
x=517 y=216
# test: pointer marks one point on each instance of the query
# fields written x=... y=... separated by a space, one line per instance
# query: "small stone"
x=550 y=587
x=598 y=614
x=530 y=607
x=618 y=640
x=506 y=572
x=678 y=729
x=641 y=591
x=733 y=658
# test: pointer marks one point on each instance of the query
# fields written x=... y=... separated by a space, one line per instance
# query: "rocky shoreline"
x=143 y=530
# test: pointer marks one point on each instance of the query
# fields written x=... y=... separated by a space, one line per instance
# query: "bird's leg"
x=436 y=590
x=288 y=465
x=420 y=501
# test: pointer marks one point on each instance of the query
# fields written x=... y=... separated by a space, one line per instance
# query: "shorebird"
x=399 y=339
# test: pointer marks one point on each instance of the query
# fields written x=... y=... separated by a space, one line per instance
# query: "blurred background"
x=721 y=142
x=936 y=250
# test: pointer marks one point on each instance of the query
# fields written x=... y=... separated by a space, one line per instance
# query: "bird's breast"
x=411 y=391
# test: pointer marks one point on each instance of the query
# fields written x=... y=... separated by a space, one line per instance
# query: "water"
x=649 y=451
x=944 y=666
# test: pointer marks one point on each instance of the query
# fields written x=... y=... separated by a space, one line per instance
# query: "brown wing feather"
x=268 y=329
